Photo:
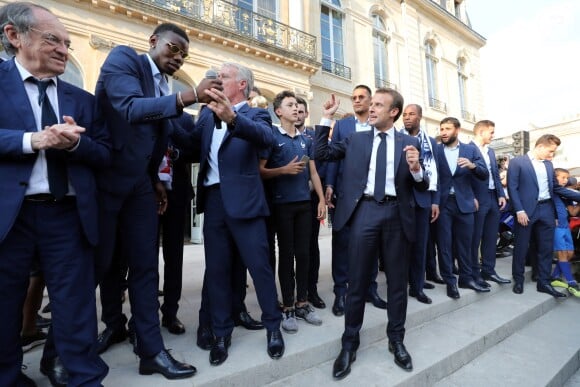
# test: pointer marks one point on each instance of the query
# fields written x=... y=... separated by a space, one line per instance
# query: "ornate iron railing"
x=383 y=83
x=336 y=68
x=467 y=115
x=439 y=105
x=231 y=19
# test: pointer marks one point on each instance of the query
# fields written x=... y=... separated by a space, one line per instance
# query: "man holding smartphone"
x=288 y=163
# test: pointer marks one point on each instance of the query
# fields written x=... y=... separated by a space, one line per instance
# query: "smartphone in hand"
x=305 y=159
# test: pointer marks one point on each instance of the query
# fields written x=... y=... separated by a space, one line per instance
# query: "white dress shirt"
x=541 y=176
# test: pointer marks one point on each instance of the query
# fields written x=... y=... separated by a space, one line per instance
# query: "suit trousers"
x=173 y=225
x=133 y=219
x=540 y=228
x=314 y=259
x=376 y=227
x=53 y=233
x=454 y=234
x=419 y=256
x=224 y=236
x=486 y=225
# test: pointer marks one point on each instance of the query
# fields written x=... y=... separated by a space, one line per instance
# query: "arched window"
x=380 y=41
x=331 y=31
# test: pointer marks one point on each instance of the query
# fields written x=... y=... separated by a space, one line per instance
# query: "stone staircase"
x=493 y=339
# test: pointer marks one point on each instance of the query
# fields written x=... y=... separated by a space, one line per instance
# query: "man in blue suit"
x=458 y=164
x=51 y=140
x=491 y=199
x=532 y=185
x=382 y=167
x=425 y=211
x=361 y=101
x=133 y=94
x=231 y=196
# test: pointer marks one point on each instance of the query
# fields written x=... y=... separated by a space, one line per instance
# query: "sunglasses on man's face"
x=174 y=48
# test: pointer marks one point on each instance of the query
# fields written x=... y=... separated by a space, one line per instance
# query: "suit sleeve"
x=122 y=80
x=256 y=130
x=332 y=166
x=513 y=179
x=325 y=150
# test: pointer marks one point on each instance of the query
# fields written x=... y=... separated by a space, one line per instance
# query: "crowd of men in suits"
x=88 y=182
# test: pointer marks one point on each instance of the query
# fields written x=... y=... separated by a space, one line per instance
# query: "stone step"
x=535 y=355
x=441 y=344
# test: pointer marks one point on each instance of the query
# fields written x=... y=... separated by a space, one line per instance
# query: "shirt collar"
x=388 y=132
x=357 y=122
x=531 y=156
x=25 y=74
x=154 y=70
x=284 y=133
x=239 y=105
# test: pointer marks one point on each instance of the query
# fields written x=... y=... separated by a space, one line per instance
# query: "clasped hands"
x=58 y=136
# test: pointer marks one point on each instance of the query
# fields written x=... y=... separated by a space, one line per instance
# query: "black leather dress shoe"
x=338 y=306
x=55 y=371
x=219 y=351
x=376 y=300
x=109 y=337
x=163 y=363
x=244 y=319
x=435 y=278
x=495 y=278
x=518 y=288
x=453 y=292
x=471 y=284
x=205 y=337
x=173 y=326
x=549 y=289
x=316 y=301
x=428 y=286
x=534 y=277
x=42 y=322
x=482 y=283
x=341 y=367
x=420 y=296
x=275 y=346
x=25 y=381
x=402 y=357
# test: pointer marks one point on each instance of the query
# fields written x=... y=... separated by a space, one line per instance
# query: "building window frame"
x=331 y=25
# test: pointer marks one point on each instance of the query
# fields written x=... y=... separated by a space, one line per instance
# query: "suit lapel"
x=443 y=158
x=148 y=83
x=66 y=102
x=531 y=171
x=368 y=147
x=12 y=85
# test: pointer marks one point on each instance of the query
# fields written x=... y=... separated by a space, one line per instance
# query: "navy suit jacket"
x=17 y=117
x=356 y=152
x=480 y=187
x=240 y=182
x=461 y=180
x=139 y=122
x=342 y=130
x=523 y=185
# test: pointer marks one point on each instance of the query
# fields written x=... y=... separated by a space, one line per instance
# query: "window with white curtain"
x=431 y=63
x=331 y=21
x=380 y=41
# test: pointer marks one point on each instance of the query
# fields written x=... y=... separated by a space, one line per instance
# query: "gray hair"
x=244 y=74
x=19 y=15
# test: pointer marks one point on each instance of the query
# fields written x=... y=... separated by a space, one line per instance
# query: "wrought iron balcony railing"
x=336 y=68
x=382 y=83
x=439 y=105
x=469 y=116
x=232 y=19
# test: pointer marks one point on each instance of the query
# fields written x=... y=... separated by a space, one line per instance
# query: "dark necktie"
x=55 y=158
x=381 y=169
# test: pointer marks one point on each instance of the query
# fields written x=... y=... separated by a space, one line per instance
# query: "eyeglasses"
x=52 y=40
x=174 y=48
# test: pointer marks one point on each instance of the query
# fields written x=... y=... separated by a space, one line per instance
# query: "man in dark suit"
x=51 y=140
x=231 y=196
x=378 y=205
x=133 y=93
x=425 y=211
x=458 y=164
x=334 y=179
x=491 y=198
x=532 y=185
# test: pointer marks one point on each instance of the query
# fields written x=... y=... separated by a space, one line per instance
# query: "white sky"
x=531 y=62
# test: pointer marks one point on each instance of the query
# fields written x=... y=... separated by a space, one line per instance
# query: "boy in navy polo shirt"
x=290 y=166
x=563 y=244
